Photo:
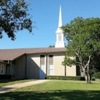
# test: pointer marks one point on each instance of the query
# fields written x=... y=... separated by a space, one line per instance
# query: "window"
x=42 y=59
x=2 y=69
x=59 y=37
x=51 y=67
x=50 y=59
x=42 y=56
x=42 y=67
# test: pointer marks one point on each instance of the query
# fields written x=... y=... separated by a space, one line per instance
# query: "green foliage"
x=83 y=36
x=95 y=63
x=14 y=17
x=65 y=77
x=68 y=61
x=51 y=46
x=97 y=75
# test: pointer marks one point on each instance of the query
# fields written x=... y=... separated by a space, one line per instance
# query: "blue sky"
x=45 y=15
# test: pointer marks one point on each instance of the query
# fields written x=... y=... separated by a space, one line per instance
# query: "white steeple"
x=60 y=18
x=59 y=33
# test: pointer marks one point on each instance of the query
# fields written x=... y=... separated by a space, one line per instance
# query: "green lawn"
x=10 y=82
x=56 y=90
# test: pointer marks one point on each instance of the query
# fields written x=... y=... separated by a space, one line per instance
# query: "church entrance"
x=42 y=71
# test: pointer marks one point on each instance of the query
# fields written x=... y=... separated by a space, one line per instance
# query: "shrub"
x=5 y=76
x=65 y=77
x=97 y=75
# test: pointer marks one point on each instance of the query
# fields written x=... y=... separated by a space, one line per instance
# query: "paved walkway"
x=20 y=85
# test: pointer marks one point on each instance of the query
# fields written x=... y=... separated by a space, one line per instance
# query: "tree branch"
x=88 y=61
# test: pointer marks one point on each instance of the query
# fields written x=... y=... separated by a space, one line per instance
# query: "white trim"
x=51 y=69
x=50 y=65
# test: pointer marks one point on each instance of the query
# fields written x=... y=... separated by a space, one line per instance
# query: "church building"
x=36 y=63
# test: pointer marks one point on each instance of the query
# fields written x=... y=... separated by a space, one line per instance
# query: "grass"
x=56 y=90
x=10 y=82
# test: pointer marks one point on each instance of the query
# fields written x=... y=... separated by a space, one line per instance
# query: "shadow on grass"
x=52 y=95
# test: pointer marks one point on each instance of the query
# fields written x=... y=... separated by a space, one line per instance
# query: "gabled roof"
x=11 y=54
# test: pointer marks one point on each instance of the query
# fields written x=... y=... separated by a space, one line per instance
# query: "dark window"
x=42 y=59
x=42 y=55
x=51 y=59
x=50 y=55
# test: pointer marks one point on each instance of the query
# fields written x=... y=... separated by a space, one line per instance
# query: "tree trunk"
x=85 y=73
x=88 y=75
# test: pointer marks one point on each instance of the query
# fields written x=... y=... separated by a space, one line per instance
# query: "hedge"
x=5 y=76
x=65 y=77
x=96 y=75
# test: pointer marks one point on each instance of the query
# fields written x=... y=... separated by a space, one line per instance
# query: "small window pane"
x=42 y=59
x=51 y=59
x=1 y=71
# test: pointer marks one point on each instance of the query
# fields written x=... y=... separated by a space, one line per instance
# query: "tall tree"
x=83 y=36
x=14 y=17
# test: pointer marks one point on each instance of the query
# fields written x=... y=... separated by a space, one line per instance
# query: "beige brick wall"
x=33 y=66
x=71 y=71
x=58 y=67
x=19 y=68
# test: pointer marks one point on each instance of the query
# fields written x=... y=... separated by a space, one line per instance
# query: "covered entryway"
x=42 y=67
x=42 y=71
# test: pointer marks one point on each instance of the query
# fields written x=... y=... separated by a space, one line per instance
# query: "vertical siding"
x=33 y=66
x=20 y=67
x=71 y=71
x=58 y=67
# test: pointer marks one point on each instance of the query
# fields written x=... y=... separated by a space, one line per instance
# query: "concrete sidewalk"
x=20 y=85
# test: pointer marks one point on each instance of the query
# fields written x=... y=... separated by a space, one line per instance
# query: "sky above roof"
x=45 y=15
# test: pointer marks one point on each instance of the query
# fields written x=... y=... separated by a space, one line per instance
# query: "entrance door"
x=42 y=71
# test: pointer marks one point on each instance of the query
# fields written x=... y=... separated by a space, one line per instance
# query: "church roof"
x=11 y=54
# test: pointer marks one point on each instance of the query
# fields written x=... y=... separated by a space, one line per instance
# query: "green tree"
x=95 y=62
x=83 y=36
x=14 y=17
x=51 y=46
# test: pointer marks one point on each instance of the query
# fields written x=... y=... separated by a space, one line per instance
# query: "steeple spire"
x=59 y=33
x=60 y=18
